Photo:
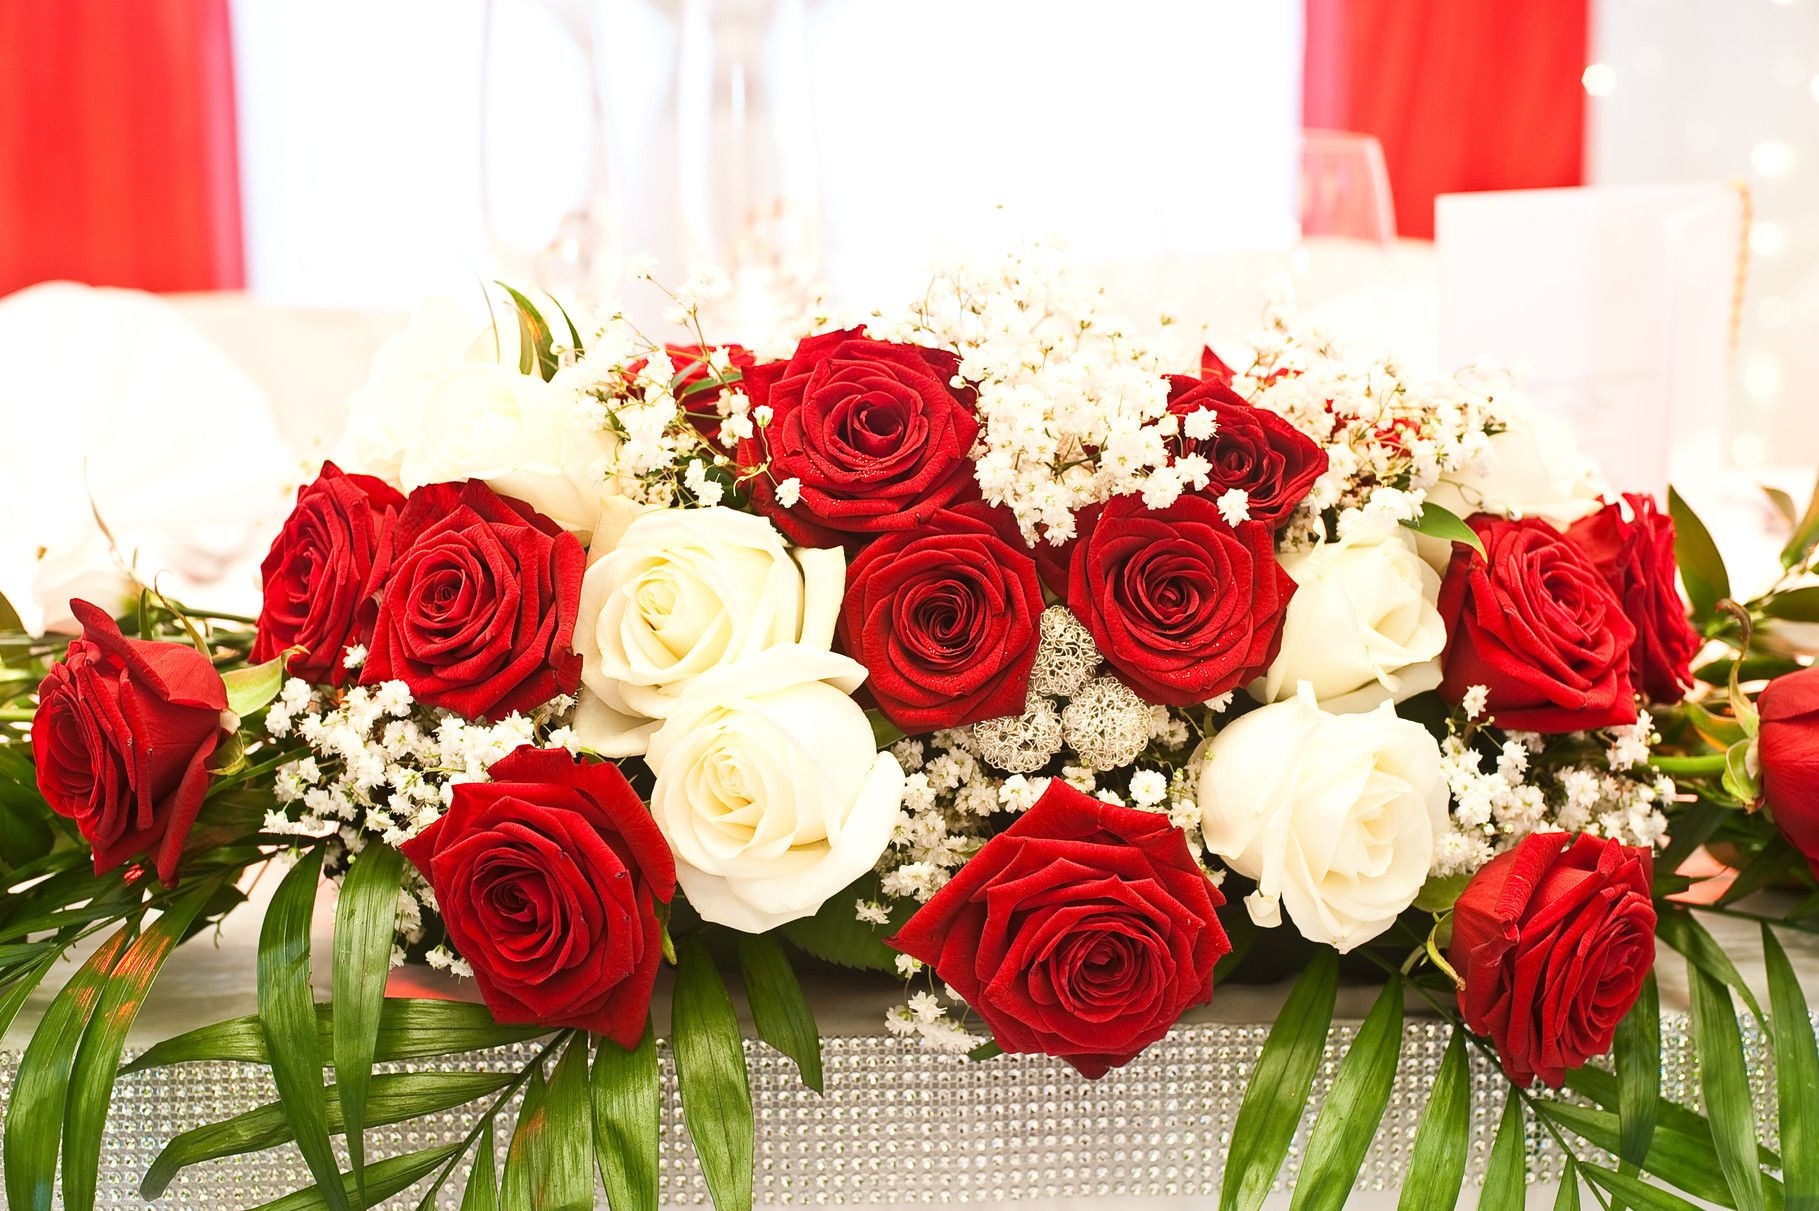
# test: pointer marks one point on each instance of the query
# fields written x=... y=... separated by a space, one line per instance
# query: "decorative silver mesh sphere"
x=1065 y=655
x=1106 y=724
x=1020 y=744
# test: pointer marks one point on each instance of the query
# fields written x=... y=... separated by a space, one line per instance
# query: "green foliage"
x=835 y=935
x=1348 y=1118
x=1637 y=1051
x=1506 y=1173
x=364 y=918
x=710 y=1069
x=1279 y=1086
x=1679 y=929
x=536 y=342
x=1729 y=1105
x=1436 y=1165
x=1438 y=522
x=393 y=1175
x=1796 y=1076
x=253 y=687
x=779 y=1009
x=1701 y=566
x=626 y=1121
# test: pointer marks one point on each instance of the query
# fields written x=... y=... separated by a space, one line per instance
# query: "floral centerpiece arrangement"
x=1050 y=666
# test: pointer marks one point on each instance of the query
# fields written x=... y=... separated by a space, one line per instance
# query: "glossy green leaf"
x=515 y=1182
x=536 y=343
x=1600 y=1088
x=1634 y=1191
x=835 y=935
x=393 y=1175
x=561 y=1160
x=1796 y=1076
x=1678 y=928
x=34 y=1109
x=253 y=687
x=392 y=1097
x=988 y=1050
x=91 y=1085
x=1348 y=1118
x=1772 y=861
x=1680 y=1158
x=710 y=1069
x=1436 y=1165
x=364 y=919
x=482 y=1192
x=1728 y=1104
x=1440 y=892
x=1506 y=1173
x=410 y=1028
x=1279 y=1085
x=287 y=1018
x=1701 y=566
x=779 y=1009
x=1805 y=533
x=1637 y=1052
x=1437 y=522
x=20 y=990
x=1567 y=1197
x=626 y=1120
x=1795 y=605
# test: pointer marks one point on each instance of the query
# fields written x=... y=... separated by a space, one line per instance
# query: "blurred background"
x=1619 y=197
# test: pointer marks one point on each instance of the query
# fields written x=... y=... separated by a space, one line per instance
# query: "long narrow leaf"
x=1634 y=1191
x=515 y=1182
x=1728 y=1104
x=91 y=1086
x=1682 y=931
x=1506 y=1173
x=561 y=1164
x=287 y=1017
x=1567 y=1197
x=624 y=1093
x=710 y=1069
x=383 y=1179
x=1436 y=1166
x=21 y=989
x=410 y=1028
x=1638 y=1058
x=364 y=920
x=779 y=1009
x=1600 y=1088
x=34 y=1111
x=1348 y=1120
x=1278 y=1088
x=1701 y=566
x=392 y=1097
x=482 y=1192
x=1684 y=1159
x=1796 y=1077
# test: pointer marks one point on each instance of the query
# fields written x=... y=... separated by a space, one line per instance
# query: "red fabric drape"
x=118 y=163
x=1463 y=94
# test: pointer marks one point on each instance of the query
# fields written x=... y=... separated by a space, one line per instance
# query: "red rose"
x=1082 y=931
x=1538 y=627
x=873 y=433
x=479 y=604
x=547 y=878
x=1553 y=939
x=322 y=573
x=1253 y=450
x=1183 y=606
x=946 y=619
x=122 y=739
x=1788 y=748
x=1635 y=555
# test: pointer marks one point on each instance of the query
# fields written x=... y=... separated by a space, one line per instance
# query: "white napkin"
x=110 y=394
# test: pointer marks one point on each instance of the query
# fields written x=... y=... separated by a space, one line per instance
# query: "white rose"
x=1334 y=816
x=678 y=593
x=386 y=413
x=1534 y=468
x=769 y=788
x=526 y=438
x=1361 y=628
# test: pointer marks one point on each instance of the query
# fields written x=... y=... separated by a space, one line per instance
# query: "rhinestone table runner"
x=899 y=1125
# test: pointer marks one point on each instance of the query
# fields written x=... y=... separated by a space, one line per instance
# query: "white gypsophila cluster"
x=1529 y=786
x=1389 y=435
x=383 y=767
x=1072 y=402
x=924 y=1018
x=948 y=794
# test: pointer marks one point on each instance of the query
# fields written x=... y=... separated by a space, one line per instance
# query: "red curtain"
x=118 y=163
x=1463 y=94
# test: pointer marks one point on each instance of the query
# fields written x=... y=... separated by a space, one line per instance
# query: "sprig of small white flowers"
x=924 y=1017
x=1527 y=788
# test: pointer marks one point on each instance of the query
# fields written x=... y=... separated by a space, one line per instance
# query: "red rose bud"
x=1083 y=931
x=478 y=610
x=873 y=432
x=1183 y=606
x=946 y=618
x=1788 y=748
x=322 y=573
x=1631 y=543
x=1538 y=627
x=122 y=739
x=1253 y=450
x=548 y=879
x=1553 y=939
